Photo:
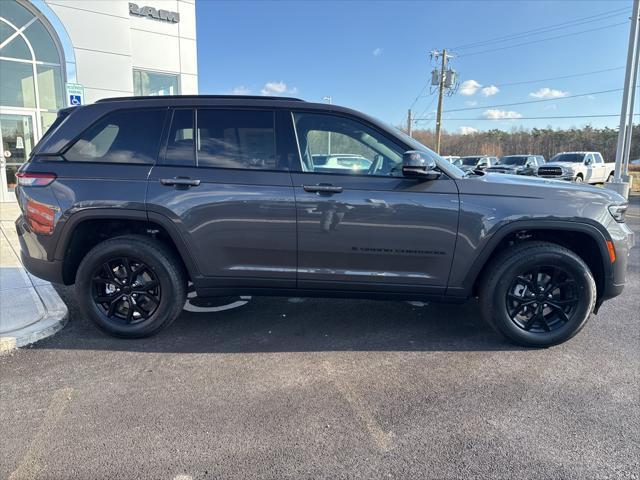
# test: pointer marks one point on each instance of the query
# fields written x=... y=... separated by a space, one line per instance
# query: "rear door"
x=226 y=188
x=599 y=168
x=368 y=228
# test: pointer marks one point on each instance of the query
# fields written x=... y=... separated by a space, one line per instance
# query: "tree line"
x=538 y=141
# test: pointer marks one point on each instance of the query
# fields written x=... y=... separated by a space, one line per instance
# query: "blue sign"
x=75 y=94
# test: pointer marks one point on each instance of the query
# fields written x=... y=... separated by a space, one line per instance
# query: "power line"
x=533 y=101
x=528 y=118
x=419 y=95
x=544 y=39
x=537 y=31
x=559 y=78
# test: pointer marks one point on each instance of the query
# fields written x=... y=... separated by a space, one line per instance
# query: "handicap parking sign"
x=75 y=94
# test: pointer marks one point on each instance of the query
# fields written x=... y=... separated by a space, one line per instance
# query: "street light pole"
x=329 y=100
x=620 y=184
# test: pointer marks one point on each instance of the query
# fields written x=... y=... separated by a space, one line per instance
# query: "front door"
x=16 y=141
x=361 y=224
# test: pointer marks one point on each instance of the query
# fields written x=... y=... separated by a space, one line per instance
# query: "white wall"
x=109 y=43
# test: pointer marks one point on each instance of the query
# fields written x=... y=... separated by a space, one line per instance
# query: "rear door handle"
x=180 y=182
x=322 y=189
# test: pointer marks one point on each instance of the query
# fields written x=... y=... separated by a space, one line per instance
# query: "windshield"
x=470 y=161
x=513 y=160
x=569 y=157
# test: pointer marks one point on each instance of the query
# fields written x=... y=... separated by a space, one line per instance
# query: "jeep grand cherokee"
x=131 y=198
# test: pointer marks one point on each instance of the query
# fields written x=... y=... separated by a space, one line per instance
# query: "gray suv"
x=131 y=198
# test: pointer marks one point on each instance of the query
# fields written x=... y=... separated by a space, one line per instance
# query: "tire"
x=610 y=178
x=131 y=286
x=579 y=179
x=549 y=316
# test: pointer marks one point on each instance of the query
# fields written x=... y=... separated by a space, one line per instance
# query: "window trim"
x=298 y=168
x=163 y=133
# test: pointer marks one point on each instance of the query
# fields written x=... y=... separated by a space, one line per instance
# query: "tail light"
x=28 y=179
x=40 y=217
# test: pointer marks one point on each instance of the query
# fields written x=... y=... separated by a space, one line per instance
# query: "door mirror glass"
x=416 y=164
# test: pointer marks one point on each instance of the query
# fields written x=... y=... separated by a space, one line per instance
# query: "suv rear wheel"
x=538 y=294
x=131 y=286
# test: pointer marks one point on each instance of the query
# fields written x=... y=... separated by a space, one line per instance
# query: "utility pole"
x=409 y=122
x=443 y=73
x=621 y=184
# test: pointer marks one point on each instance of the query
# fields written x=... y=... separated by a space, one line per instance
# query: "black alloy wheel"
x=126 y=290
x=542 y=299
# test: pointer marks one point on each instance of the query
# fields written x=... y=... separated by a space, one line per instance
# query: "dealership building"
x=59 y=53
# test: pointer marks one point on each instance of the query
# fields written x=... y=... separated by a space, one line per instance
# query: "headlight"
x=618 y=211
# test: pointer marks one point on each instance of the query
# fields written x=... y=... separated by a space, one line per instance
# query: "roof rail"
x=230 y=97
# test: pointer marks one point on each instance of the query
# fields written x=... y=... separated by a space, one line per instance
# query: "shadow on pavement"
x=304 y=325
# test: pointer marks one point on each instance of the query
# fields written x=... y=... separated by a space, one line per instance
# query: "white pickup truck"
x=587 y=167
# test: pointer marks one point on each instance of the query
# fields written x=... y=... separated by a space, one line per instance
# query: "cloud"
x=468 y=130
x=469 y=87
x=490 y=90
x=277 y=88
x=500 y=114
x=547 y=92
x=377 y=52
x=241 y=90
x=471 y=103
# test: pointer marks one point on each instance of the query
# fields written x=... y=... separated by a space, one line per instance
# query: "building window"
x=30 y=65
x=154 y=84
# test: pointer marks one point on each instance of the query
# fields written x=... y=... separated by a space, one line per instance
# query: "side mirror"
x=417 y=164
x=587 y=161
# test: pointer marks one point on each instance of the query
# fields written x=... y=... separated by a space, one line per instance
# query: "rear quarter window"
x=124 y=136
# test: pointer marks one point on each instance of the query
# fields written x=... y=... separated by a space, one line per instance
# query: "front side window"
x=125 y=136
x=336 y=144
x=243 y=139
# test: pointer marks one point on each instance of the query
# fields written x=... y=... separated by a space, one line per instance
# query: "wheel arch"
x=586 y=239
x=85 y=229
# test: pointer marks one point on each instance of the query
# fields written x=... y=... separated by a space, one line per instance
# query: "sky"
x=373 y=56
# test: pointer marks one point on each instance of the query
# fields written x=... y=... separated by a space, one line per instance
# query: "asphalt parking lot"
x=283 y=388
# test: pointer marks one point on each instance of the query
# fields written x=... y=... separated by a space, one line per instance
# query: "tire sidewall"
x=157 y=262
x=584 y=289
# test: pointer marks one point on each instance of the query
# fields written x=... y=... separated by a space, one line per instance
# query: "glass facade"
x=154 y=84
x=30 y=63
x=31 y=87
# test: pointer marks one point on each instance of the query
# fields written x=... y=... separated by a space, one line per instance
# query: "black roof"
x=184 y=97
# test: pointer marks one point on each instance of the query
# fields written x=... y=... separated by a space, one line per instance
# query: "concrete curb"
x=30 y=308
x=54 y=319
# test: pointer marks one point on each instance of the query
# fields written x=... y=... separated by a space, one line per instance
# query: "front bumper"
x=623 y=240
x=567 y=178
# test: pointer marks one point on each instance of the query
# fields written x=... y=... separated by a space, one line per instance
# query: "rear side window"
x=124 y=136
x=242 y=139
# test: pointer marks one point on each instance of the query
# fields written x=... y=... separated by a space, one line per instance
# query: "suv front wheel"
x=538 y=294
x=131 y=286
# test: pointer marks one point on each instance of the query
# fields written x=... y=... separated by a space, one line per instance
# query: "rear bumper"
x=34 y=258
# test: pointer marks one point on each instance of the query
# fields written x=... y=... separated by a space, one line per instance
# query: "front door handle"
x=322 y=189
x=180 y=182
